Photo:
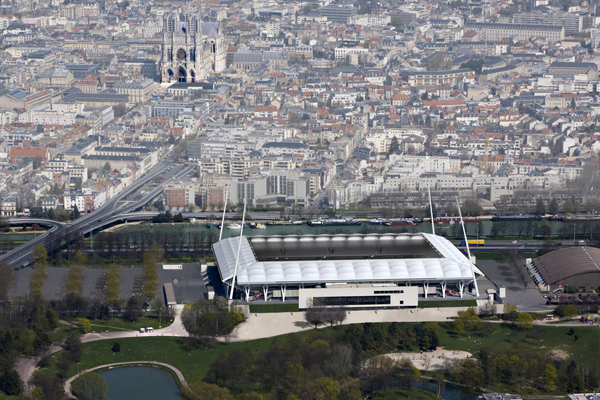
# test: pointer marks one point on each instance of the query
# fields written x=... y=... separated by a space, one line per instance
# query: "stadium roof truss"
x=346 y=258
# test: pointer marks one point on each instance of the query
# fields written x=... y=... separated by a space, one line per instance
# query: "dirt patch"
x=560 y=354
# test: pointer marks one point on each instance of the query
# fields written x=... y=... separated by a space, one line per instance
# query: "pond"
x=447 y=392
x=140 y=383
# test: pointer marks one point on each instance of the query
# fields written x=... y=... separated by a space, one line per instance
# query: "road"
x=25 y=366
x=89 y=222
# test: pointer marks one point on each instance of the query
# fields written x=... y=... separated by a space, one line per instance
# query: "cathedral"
x=192 y=49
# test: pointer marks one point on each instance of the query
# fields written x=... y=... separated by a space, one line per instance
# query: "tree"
x=7 y=280
x=540 y=208
x=570 y=311
x=397 y=23
x=74 y=346
x=178 y=218
x=84 y=324
x=472 y=208
x=39 y=256
x=511 y=313
x=394 y=145
x=324 y=388
x=550 y=377
x=468 y=372
x=458 y=325
x=91 y=386
x=75 y=213
x=10 y=381
x=210 y=318
x=107 y=167
x=524 y=321
x=133 y=309
x=315 y=316
x=158 y=308
x=116 y=347
x=553 y=209
x=79 y=259
x=475 y=65
x=205 y=391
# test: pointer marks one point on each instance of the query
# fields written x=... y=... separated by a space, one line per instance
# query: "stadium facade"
x=391 y=270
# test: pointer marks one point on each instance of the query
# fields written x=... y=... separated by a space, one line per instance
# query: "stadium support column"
x=461 y=287
x=283 y=293
x=237 y=258
x=247 y=291
x=425 y=288
x=444 y=289
x=265 y=292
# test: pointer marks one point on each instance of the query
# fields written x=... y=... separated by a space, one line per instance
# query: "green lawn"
x=192 y=362
x=501 y=338
x=447 y=303
x=5 y=397
x=413 y=394
x=273 y=308
x=119 y=324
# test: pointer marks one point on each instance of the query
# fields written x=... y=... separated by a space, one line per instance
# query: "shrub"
x=116 y=347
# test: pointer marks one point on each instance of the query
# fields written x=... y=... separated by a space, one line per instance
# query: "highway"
x=96 y=219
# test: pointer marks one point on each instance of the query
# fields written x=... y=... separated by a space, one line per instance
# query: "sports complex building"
x=573 y=266
x=391 y=270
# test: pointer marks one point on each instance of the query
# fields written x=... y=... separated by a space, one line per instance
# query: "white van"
x=142 y=330
x=149 y=330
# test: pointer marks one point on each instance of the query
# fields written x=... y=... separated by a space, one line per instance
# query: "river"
x=482 y=229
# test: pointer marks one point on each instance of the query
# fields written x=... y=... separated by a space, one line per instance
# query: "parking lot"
x=500 y=271
x=187 y=282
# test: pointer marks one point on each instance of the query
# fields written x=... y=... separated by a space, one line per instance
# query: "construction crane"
x=486 y=154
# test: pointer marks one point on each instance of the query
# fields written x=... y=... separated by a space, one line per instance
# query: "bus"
x=473 y=243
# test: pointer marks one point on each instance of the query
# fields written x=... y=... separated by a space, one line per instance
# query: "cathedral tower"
x=191 y=49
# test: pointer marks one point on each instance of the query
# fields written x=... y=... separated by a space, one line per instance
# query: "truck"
x=473 y=243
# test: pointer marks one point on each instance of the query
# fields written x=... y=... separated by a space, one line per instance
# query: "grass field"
x=174 y=351
x=119 y=324
x=273 y=308
x=447 y=303
x=501 y=338
x=194 y=362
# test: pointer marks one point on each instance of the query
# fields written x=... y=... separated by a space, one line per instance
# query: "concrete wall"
x=400 y=296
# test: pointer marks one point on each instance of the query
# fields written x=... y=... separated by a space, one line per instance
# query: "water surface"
x=140 y=383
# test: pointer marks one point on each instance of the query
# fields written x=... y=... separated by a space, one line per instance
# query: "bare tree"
x=7 y=280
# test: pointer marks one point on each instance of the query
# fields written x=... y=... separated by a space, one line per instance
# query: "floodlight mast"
x=224 y=209
x=468 y=250
x=431 y=211
x=237 y=258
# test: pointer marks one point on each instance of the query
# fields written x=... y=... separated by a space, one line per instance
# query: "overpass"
x=96 y=219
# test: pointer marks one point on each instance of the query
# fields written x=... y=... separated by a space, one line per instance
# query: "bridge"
x=108 y=213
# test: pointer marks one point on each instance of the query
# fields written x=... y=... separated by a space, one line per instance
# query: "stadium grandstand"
x=391 y=270
x=573 y=266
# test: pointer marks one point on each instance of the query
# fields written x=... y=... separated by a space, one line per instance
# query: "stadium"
x=391 y=270
x=573 y=266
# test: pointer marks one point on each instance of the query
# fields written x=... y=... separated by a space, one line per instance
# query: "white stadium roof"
x=286 y=260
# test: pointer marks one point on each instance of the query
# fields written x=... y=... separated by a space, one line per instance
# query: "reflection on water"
x=140 y=383
x=484 y=228
x=447 y=392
